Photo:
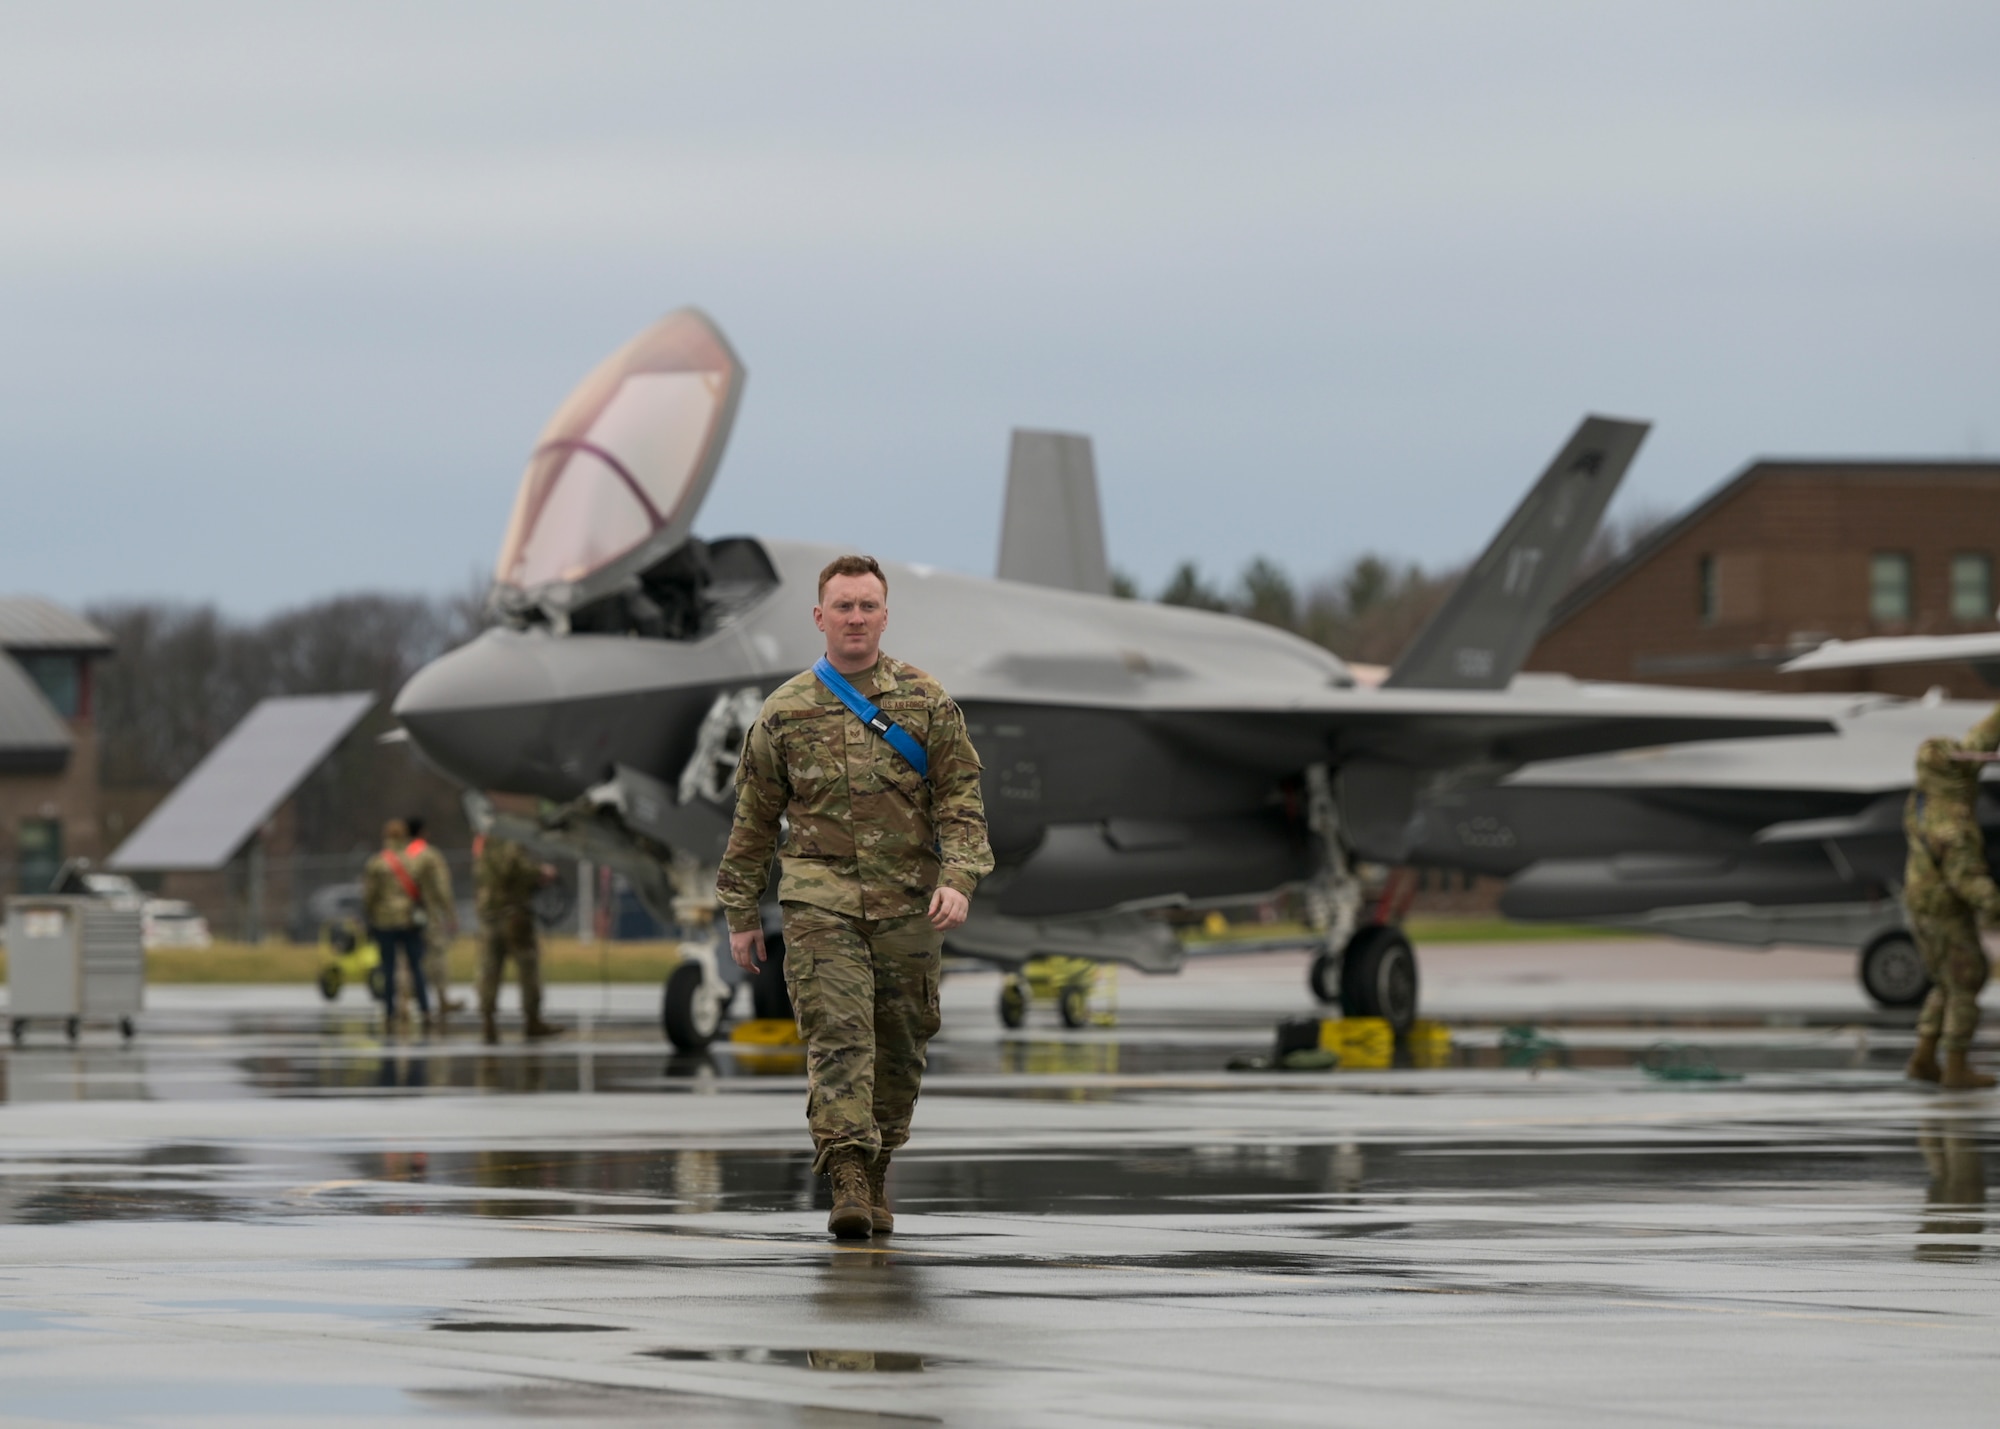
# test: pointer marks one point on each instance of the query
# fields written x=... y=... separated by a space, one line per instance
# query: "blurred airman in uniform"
x=879 y=862
x=433 y=876
x=393 y=903
x=1948 y=893
x=506 y=879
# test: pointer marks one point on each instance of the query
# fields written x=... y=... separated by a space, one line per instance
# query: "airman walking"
x=506 y=879
x=1947 y=893
x=885 y=841
x=433 y=877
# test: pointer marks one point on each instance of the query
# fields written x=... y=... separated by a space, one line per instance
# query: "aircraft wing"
x=1980 y=648
x=1440 y=729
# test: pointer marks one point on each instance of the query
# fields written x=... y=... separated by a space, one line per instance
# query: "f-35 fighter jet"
x=1794 y=840
x=1137 y=755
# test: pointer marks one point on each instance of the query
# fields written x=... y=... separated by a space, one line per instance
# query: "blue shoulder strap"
x=900 y=739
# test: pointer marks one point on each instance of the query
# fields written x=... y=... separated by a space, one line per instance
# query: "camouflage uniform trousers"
x=866 y=994
x=436 y=945
x=496 y=946
x=1959 y=969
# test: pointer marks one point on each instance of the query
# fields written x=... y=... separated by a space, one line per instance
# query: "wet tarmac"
x=259 y=1212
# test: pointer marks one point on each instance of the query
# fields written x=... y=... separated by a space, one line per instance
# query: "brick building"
x=1782 y=556
x=49 y=800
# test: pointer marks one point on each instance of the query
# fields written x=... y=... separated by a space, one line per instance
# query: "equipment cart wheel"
x=1893 y=971
x=378 y=983
x=329 y=983
x=690 y=1016
x=1324 y=978
x=126 y=1029
x=1013 y=1001
x=1073 y=1003
x=72 y=1027
x=1378 y=977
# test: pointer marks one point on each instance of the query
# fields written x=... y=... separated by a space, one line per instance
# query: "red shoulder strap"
x=402 y=875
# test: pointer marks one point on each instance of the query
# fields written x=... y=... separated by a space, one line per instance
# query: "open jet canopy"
x=620 y=471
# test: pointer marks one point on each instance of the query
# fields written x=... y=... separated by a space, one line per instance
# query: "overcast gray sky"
x=286 y=291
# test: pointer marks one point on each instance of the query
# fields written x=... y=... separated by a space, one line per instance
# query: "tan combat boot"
x=1958 y=1077
x=1923 y=1063
x=849 y=1174
x=878 y=1195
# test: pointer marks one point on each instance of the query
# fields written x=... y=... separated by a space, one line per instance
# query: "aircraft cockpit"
x=600 y=537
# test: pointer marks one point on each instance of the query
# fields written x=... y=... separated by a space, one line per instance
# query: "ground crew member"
x=885 y=841
x=440 y=914
x=393 y=904
x=1947 y=893
x=506 y=880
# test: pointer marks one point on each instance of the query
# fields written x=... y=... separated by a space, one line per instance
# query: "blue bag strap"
x=900 y=739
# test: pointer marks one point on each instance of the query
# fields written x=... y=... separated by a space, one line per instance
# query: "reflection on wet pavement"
x=235 y=1218
x=840 y=1361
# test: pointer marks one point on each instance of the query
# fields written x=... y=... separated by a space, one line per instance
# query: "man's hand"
x=747 y=949
x=948 y=909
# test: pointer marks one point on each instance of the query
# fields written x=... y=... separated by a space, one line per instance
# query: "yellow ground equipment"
x=1072 y=984
x=1355 y=1044
x=1430 y=1044
x=768 y=1045
x=350 y=956
x=1361 y=1043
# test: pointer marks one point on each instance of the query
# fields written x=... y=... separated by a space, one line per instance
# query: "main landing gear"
x=1375 y=974
x=701 y=988
x=1893 y=971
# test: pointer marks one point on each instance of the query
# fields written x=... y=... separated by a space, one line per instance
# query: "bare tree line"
x=1368 y=610
x=182 y=676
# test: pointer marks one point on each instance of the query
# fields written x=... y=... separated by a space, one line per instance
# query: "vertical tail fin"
x=1052 y=532
x=1493 y=617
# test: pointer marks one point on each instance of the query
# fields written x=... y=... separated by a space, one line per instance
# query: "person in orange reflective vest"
x=393 y=903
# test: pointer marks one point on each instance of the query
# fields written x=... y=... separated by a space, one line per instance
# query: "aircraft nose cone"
x=482 y=712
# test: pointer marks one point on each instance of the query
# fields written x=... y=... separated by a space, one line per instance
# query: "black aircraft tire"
x=1013 y=1003
x=1378 y=977
x=769 y=998
x=689 y=1019
x=1893 y=971
x=1324 y=977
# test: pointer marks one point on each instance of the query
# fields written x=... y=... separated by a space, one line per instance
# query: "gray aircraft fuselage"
x=1133 y=752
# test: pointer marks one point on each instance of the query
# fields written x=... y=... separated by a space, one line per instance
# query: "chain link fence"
x=298 y=898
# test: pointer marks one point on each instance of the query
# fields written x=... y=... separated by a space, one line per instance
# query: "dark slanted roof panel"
x=33 y=737
x=30 y=623
x=236 y=789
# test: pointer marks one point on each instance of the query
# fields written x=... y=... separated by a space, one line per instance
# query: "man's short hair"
x=852 y=566
x=395 y=832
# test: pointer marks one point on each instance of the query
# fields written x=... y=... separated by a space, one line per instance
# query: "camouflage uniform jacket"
x=433 y=876
x=1946 y=869
x=865 y=834
x=506 y=880
x=385 y=903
